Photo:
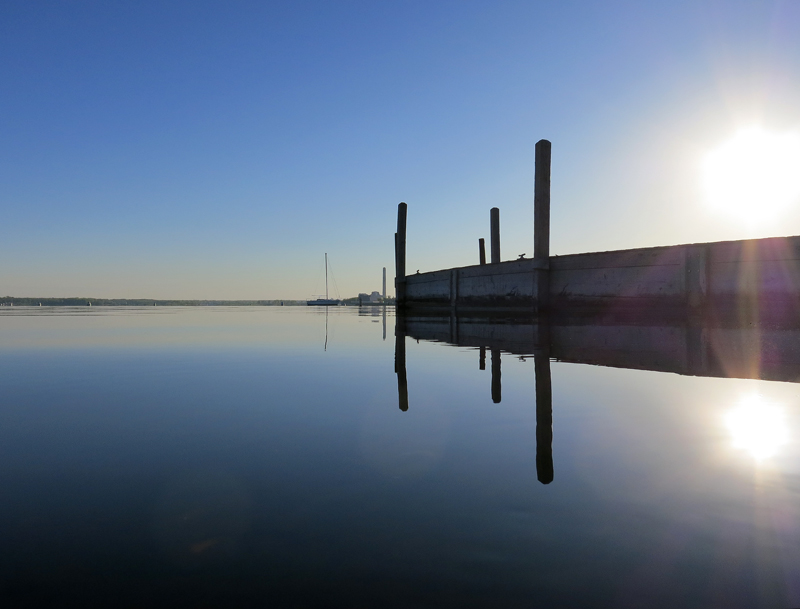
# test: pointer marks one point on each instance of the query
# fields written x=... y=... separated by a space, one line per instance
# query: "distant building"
x=365 y=298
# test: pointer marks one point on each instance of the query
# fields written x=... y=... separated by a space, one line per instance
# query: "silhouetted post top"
x=402 y=212
x=400 y=253
x=494 y=218
x=482 y=251
x=541 y=201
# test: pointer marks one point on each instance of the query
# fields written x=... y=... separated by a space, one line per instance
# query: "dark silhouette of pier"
x=757 y=277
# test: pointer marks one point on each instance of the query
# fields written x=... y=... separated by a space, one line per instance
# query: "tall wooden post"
x=482 y=250
x=541 y=201
x=384 y=285
x=541 y=225
x=400 y=255
x=494 y=219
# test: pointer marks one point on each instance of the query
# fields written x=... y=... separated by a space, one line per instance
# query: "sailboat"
x=324 y=302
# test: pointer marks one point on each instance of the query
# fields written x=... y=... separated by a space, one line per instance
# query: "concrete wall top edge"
x=770 y=248
x=476 y=270
x=765 y=241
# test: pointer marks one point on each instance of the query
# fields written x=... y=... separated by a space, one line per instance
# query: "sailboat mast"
x=326 y=275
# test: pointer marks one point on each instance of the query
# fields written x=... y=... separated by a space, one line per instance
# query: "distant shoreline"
x=6 y=301
x=75 y=301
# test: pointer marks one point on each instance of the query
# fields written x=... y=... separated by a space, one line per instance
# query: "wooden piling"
x=541 y=224
x=494 y=220
x=482 y=250
x=541 y=201
x=400 y=255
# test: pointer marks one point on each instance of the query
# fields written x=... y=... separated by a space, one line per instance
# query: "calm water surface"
x=243 y=457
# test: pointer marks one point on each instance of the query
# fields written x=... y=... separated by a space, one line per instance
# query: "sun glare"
x=754 y=175
x=757 y=427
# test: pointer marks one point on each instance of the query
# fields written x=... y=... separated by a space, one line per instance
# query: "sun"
x=754 y=175
x=758 y=427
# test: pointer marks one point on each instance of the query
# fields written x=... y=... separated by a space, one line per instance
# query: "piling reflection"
x=544 y=417
x=400 y=363
x=694 y=347
x=497 y=386
x=544 y=392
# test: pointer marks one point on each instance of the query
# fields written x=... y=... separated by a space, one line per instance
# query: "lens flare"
x=757 y=427
x=754 y=175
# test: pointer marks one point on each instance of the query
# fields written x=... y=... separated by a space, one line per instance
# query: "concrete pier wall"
x=510 y=284
x=759 y=274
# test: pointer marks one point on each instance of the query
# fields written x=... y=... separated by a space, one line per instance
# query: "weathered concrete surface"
x=506 y=284
x=688 y=348
x=754 y=277
x=644 y=273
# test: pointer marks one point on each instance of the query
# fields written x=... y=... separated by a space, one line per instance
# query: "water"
x=210 y=457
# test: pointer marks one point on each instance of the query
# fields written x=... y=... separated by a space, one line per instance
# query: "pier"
x=756 y=277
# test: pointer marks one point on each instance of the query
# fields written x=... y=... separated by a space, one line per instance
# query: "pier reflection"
x=693 y=347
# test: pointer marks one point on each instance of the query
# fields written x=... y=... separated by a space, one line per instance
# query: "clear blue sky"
x=218 y=149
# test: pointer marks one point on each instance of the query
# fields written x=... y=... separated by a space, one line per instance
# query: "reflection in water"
x=400 y=363
x=544 y=419
x=692 y=348
x=757 y=427
x=497 y=387
x=204 y=469
x=544 y=391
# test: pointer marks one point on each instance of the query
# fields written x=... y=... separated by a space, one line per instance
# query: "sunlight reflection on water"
x=758 y=427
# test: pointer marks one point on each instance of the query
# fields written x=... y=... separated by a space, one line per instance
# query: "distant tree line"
x=80 y=301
